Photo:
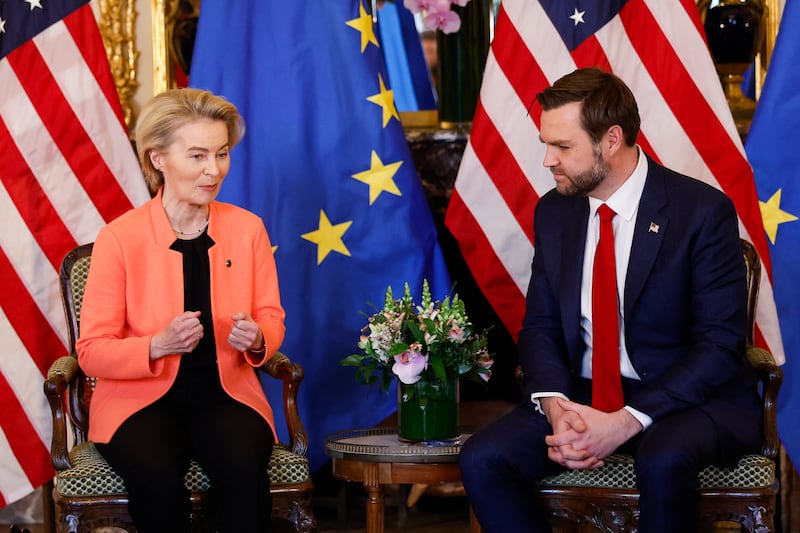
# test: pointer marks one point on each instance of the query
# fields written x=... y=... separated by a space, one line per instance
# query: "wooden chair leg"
x=48 y=508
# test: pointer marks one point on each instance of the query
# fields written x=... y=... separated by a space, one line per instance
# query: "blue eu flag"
x=326 y=164
x=772 y=150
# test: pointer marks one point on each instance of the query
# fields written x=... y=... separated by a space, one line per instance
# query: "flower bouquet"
x=428 y=348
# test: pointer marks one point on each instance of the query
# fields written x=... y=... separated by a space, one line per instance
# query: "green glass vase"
x=462 y=58
x=427 y=411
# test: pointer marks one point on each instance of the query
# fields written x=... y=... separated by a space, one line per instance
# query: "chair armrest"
x=59 y=378
x=280 y=367
x=771 y=377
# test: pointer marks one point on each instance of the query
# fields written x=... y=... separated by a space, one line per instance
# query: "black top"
x=197 y=297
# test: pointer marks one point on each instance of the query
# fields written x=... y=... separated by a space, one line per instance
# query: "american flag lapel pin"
x=653 y=227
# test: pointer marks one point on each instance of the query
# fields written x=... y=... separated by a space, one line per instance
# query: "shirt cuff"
x=537 y=405
x=643 y=419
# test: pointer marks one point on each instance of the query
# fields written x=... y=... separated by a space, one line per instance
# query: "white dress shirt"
x=625 y=203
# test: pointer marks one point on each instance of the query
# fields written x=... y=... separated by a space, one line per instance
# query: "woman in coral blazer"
x=181 y=304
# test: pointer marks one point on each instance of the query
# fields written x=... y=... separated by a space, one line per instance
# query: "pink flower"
x=439 y=5
x=485 y=361
x=408 y=366
x=417 y=6
x=447 y=21
x=456 y=334
x=437 y=13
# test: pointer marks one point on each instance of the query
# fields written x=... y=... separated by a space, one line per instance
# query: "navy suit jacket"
x=684 y=302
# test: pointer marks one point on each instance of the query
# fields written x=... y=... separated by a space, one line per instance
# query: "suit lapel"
x=573 y=244
x=648 y=234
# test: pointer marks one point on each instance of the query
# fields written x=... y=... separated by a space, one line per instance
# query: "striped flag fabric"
x=658 y=48
x=66 y=169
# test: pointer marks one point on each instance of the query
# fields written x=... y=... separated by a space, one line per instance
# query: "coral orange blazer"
x=134 y=289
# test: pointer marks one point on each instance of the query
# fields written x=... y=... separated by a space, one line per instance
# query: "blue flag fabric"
x=405 y=61
x=326 y=164
x=772 y=150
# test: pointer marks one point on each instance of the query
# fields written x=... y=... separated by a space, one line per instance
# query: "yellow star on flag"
x=385 y=99
x=379 y=177
x=773 y=216
x=364 y=25
x=328 y=237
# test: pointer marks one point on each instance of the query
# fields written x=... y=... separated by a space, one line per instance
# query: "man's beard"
x=585 y=182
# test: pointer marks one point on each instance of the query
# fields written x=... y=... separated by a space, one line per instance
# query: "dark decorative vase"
x=427 y=411
x=735 y=32
x=462 y=58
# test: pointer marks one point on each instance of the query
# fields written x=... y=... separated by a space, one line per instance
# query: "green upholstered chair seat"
x=752 y=471
x=91 y=475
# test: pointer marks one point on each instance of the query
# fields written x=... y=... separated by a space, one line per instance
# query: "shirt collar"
x=625 y=200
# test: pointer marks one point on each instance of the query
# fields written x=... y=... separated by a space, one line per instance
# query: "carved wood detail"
x=117 y=25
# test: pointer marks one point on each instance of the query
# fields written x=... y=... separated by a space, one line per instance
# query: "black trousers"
x=195 y=419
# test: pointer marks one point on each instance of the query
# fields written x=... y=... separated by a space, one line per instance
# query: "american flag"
x=658 y=47
x=66 y=169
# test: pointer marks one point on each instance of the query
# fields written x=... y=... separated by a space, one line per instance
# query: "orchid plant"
x=437 y=14
x=431 y=341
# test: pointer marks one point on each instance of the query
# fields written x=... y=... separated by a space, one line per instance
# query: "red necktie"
x=606 y=379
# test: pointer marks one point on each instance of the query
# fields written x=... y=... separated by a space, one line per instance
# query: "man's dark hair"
x=606 y=100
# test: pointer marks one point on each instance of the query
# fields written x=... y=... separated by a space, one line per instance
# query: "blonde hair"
x=167 y=112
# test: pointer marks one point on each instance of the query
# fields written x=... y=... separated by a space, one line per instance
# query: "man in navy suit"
x=688 y=395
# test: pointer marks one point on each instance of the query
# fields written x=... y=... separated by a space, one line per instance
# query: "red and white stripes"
x=66 y=169
x=658 y=48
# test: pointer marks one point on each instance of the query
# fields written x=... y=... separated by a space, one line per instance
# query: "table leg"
x=374 y=499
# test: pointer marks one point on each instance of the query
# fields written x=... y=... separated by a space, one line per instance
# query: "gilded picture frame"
x=117 y=23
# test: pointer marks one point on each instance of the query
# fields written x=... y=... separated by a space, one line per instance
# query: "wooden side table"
x=377 y=457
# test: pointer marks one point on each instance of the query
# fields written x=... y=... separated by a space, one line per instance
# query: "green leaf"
x=437 y=364
x=353 y=360
x=416 y=332
x=398 y=348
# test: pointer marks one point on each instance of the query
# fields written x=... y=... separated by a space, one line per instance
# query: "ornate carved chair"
x=606 y=499
x=87 y=493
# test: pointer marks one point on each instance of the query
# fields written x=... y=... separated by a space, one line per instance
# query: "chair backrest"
x=770 y=375
x=753 y=264
x=74 y=271
x=72 y=278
